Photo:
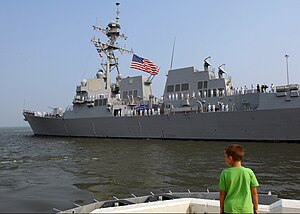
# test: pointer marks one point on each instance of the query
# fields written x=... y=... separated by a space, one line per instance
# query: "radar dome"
x=99 y=74
x=119 y=77
x=83 y=82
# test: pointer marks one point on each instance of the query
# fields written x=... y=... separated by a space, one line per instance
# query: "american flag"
x=99 y=49
x=144 y=64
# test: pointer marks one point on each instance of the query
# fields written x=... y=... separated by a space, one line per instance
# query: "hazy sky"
x=46 y=49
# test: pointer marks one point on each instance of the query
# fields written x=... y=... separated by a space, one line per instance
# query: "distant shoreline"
x=11 y=127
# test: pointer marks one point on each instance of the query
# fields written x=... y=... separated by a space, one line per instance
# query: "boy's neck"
x=236 y=164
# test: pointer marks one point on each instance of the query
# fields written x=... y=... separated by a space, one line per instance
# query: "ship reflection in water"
x=39 y=173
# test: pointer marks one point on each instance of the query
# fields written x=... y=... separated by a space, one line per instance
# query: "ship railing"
x=175 y=96
x=142 y=112
x=41 y=114
x=27 y=111
x=198 y=109
x=263 y=88
x=187 y=109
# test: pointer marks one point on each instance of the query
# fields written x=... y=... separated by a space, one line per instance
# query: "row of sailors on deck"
x=218 y=93
x=159 y=111
x=220 y=107
x=259 y=89
x=139 y=112
x=91 y=97
x=202 y=94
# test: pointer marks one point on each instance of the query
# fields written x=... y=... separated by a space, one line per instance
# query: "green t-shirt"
x=237 y=183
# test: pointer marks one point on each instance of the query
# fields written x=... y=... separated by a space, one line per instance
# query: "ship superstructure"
x=196 y=104
x=101 y=97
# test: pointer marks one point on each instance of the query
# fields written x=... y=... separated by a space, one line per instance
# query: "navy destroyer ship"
x=196 y=104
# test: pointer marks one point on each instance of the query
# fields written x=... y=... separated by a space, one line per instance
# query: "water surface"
x=40 y=173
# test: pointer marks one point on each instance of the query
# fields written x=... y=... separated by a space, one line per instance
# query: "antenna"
x=287 y=68
x=171 y=66
x=118 y=12
x=221 y=71
x=221 y=65
x=112 y=31
x=206 y=63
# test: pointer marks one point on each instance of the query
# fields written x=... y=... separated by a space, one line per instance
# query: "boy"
x=238 y=193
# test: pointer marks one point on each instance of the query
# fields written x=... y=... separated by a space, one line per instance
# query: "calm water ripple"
x=40 y=173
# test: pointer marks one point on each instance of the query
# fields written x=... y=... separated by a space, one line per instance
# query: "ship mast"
x=112 y=31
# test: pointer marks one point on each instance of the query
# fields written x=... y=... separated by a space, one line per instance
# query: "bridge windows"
x=170 y=88
x=125 y=94
x=200 y=85
x=177 y=87
x=185 y=87
x=100 y=102
x=133 y=93
x=130 y=93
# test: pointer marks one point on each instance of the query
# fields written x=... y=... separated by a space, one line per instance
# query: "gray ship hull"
x=254 y=125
